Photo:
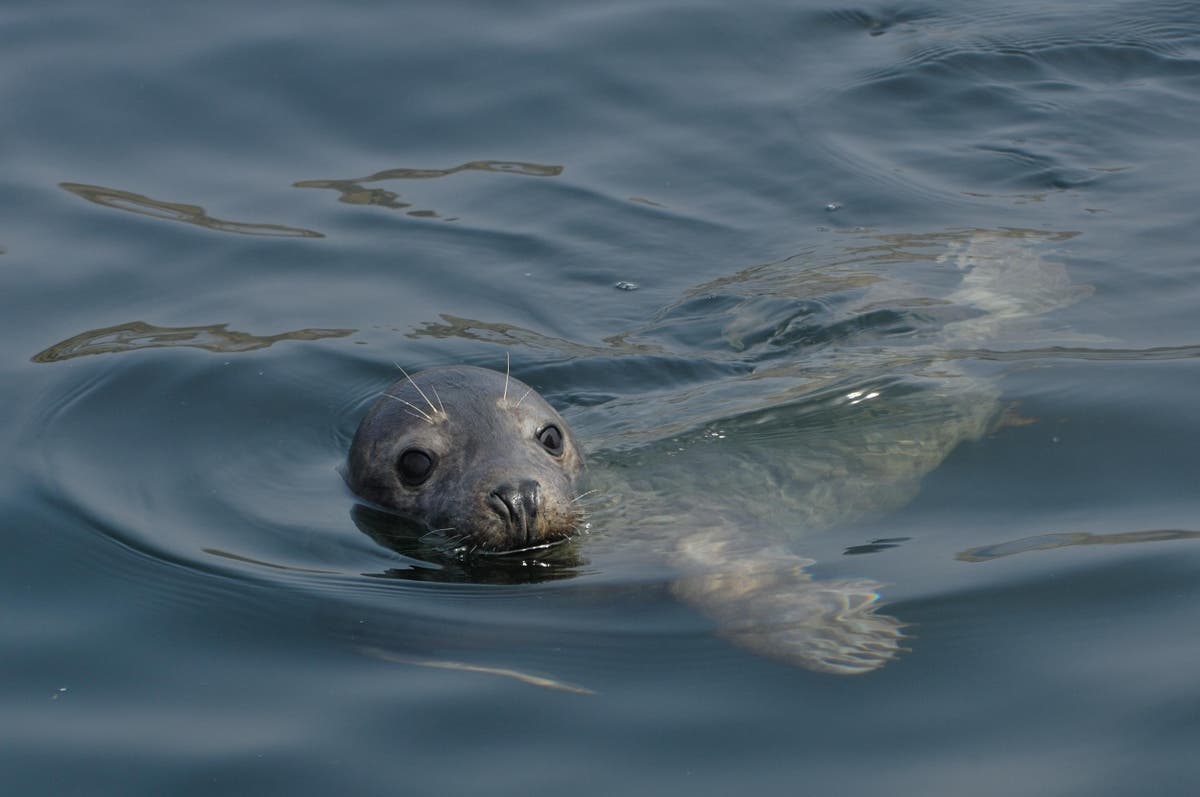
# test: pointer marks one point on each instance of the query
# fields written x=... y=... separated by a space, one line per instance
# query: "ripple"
x=993 y=93
x=230 y=469
x=173 y=456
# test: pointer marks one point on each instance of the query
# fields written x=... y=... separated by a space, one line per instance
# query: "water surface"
x=226 y=224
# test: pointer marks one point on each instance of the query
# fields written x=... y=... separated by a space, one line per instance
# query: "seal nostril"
x=518 y=507
x=501 y=500
x=531 y=498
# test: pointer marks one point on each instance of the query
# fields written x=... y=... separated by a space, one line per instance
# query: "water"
x=223 y=225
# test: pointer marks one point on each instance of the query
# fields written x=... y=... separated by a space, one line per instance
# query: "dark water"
x=224 y=224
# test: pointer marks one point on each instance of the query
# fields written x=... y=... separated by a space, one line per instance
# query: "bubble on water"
x=626 y=285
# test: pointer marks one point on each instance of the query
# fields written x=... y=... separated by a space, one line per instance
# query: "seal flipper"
x=765 y=601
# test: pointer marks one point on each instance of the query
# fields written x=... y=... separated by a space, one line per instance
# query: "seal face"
x=471 y=453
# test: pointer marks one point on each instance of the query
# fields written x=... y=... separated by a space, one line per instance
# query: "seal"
x=474 y=454
x=483 y=459
x=832 y=424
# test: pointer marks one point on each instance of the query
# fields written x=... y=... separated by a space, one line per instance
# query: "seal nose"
x=518 y=505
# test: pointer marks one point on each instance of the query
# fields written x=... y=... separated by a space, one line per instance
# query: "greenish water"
x=224 y=225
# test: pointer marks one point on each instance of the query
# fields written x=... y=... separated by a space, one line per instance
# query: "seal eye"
x=415 y=466
x=551 y=439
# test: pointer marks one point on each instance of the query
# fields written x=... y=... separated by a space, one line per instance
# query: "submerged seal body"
x=471 y=453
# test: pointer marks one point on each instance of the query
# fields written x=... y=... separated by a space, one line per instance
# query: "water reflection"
x=431 y=558
x=140 y=335
x=354 y=190
x=875 y=546
x=533 y=679
x=1153 y=353
x=1046 y=542
x=506 y=334
x=175 y=211
x=248 y=560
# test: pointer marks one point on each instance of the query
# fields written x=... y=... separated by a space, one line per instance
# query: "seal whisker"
x=585 y=494
x=527 y=392
x=452 y=543
x=418 y=387
x=432 y=532
x=441 y=406
x=507 y=369
x=453 y=546
x=422 y=413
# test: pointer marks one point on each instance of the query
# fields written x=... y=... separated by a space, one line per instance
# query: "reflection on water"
x=248 y=560
x=353 y=190
x=176 y=211
x=875 y=546
x=1046 y=542
x=140 y=335
x=432 y=558
x=512 y=335
x=532 y=679
x=1081 y=353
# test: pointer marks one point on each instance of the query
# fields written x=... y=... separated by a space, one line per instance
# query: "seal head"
x=471 y=453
